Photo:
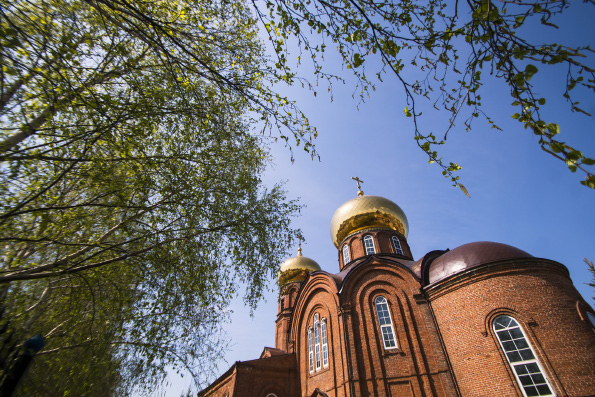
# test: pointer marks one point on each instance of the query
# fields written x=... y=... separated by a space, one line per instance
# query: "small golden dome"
x=296 y=269
x=367 y=212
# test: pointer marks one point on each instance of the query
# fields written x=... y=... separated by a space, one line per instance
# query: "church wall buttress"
x=318 y=299
x=286 y=305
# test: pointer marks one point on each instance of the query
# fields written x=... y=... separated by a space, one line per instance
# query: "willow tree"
x=131 y=204
x=443 y=52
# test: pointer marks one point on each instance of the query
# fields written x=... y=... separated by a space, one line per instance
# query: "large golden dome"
x=296 y=269
x=367 y=212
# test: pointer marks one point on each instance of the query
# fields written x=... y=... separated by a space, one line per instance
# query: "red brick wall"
x=222 y=387
x=257 y=378
x=446 y=344
x=541 y=297
x=318 y=296
x=418 y=365
x=355 y=348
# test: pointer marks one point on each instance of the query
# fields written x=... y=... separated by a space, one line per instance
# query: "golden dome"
x=296 y=269
x=367 y=212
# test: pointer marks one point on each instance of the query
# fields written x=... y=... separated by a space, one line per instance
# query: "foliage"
x=131 y=205
x=591 y=267
x=441 y=51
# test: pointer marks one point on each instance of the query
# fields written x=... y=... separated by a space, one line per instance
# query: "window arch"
x=369 y=245
x=397 y=245
x=346 y=257
x=385 y=322
x=521 y=358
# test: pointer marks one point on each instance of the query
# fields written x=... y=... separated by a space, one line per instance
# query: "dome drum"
x=383 y=241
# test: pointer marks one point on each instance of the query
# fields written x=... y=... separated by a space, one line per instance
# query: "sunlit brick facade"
x=484 y=319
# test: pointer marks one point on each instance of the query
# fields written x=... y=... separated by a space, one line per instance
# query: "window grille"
x=369 y=244
x=521 y=357
x=397 y=245
x=317 y=342
x=385 y=323
x=324 y=343
x=310 y=353
x=346 y=258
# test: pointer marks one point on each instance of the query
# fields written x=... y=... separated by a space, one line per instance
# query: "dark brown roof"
x=471 y=255
x=271 y=351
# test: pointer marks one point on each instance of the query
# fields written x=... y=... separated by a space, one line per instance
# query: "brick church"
x=483 y=319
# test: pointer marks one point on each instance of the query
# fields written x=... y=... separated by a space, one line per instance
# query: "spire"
x=359 y=190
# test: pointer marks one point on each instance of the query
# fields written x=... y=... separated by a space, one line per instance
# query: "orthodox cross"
x=359 y=190
x=300 y=238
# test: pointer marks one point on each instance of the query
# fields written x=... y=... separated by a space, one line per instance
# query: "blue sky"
x=519 y=194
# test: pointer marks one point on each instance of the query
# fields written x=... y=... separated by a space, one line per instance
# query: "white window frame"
x=372 y=249
x=387 y=328
x=324 y=338
x=310 y=352
x=346 y=257
x=317 y=359
x=516 y=365
x=397 y=245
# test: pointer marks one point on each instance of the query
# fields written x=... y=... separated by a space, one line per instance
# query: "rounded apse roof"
x=367 y=212
x=471 y=255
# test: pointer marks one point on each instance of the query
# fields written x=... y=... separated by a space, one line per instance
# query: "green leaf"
x=357 y=60
x=589 y=181
x=530 y=70
x=553 y=128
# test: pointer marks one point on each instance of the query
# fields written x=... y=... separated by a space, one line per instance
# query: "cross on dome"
x=300 y=238
x=359 y=190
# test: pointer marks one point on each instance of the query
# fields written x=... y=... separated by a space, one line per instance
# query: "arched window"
x=324 y=343
x=385 y=322
x=318 y=345
x=346 y=258
x=316 y=342
x=369 y=244
x=397 y=245
x=310 y=353
x=521 y=357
